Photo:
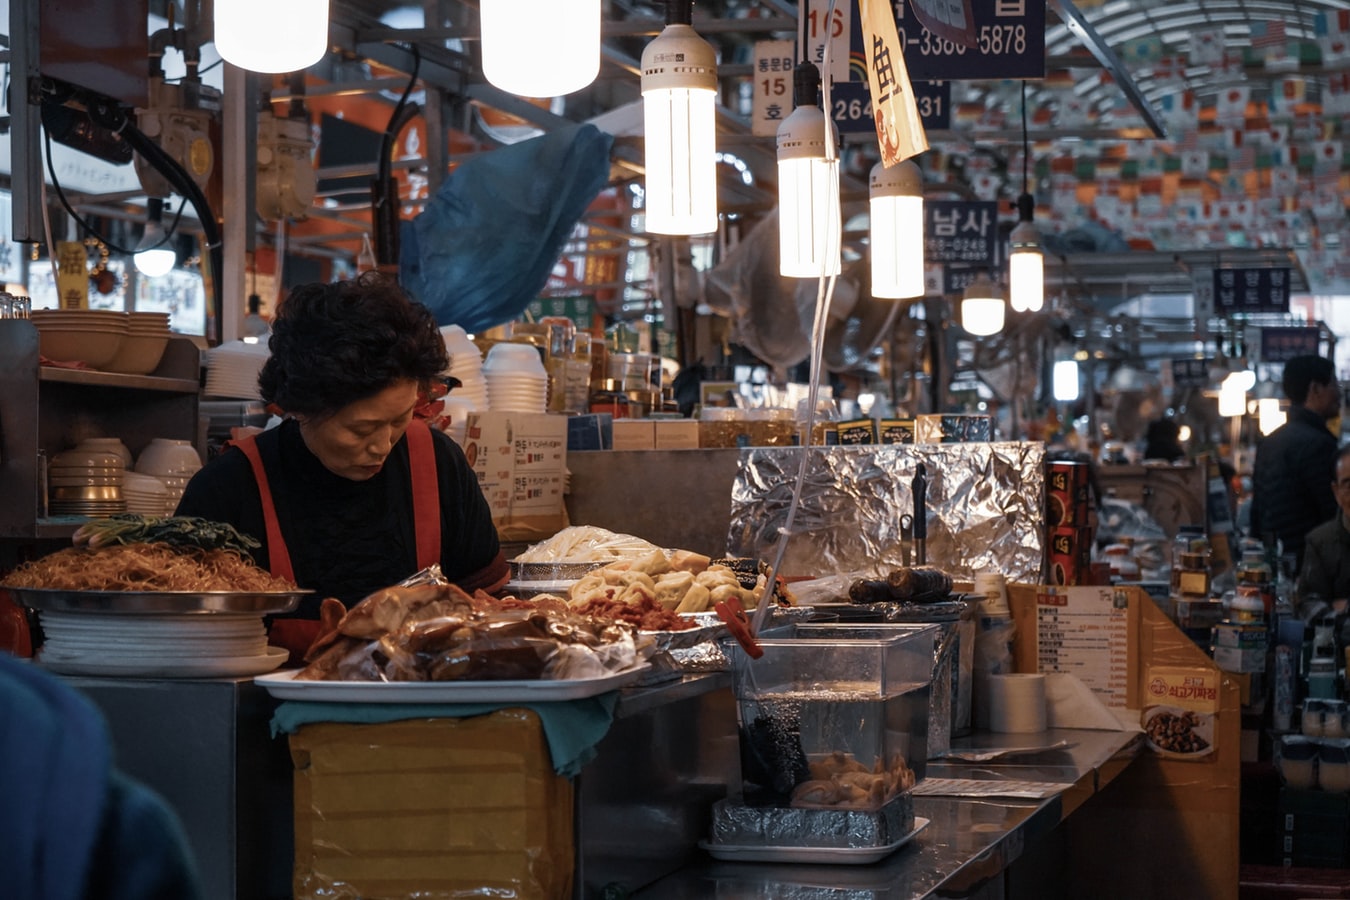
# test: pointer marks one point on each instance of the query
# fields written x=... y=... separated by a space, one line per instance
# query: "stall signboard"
x=580 y=309
x=772 y=86
x=964 y=232
x=978 y=40
x=1191 y=373
x=1264 y=290
x=1282 y=343
x=851 y=105
x=955 y=279
x=1083 y=631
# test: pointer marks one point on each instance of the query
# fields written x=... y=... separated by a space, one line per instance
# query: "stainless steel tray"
x=159 y=602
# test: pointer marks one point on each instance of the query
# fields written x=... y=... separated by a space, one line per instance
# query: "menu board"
x=1083 y=631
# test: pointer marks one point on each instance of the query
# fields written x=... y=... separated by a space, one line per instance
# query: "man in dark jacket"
x=1326 y=554
x=1295 y=463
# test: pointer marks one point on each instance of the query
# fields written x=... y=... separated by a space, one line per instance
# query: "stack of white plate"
x=173 y=462
x=145 y=494
x=206 y=646
x=516 y=379
x=85 y=483
x=232 y=370
x=466 y=364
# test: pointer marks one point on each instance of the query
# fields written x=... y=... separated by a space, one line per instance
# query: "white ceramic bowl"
x=107 y=445
x=518 y=358
x=167 y=457
x=85 y=460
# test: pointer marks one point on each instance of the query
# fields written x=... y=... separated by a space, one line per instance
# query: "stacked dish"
x=516 y=379
x=181 y=646
x=466 y=364
x=232 y=370
x=107 y=445
x=91 y=336
x=85 y=483
x=145 y=494
x=143 y=345
x=173 y=463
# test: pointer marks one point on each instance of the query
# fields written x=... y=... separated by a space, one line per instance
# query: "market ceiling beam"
x=1078 y=24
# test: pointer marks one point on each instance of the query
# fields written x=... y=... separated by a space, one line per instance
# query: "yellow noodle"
x=144 y=567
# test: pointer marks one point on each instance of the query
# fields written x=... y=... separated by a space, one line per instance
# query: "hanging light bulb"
x=155 y=255
x=271 y=35
x=809 y=226
x=679 y=93
x=982 y=310
x=1026 y=263
x=1064 y=380
x=539 y=48
x=896 y=200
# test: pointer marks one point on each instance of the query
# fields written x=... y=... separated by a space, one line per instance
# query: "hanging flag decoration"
x=899 y=130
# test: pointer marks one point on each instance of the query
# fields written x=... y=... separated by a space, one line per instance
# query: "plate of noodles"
x=150 y=578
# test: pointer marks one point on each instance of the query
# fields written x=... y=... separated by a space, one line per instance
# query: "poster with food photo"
x=1180 y=708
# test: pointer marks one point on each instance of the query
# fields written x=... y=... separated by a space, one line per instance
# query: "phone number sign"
x=1008 y=42
x=851 y=106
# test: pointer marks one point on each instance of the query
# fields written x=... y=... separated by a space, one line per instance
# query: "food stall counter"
x=967 y=842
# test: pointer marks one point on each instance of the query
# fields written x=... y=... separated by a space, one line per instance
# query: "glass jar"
x=772 y=427
x=610 y=398
x=1193 y=576
x=721 y=426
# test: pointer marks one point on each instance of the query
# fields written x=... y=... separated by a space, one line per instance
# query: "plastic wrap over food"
x=984 y=501
x=736 y=824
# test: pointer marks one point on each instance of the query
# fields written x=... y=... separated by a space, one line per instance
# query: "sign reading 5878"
x=976 y=39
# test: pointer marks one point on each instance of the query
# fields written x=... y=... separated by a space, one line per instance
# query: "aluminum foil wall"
x=985 y=507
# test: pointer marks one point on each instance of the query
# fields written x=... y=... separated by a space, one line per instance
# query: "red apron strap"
x=277 y=554
x=425 y=494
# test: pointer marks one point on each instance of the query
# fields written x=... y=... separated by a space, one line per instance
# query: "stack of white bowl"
x=232 y=370
x=146 y=495
x=143 y=346
x=466 y=364
x=173 y=463
x=85 y=483
x=516 y=379
x=456 y=413
x=92 y=336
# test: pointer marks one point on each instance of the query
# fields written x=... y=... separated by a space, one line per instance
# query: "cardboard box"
x=634 y=434
x=521 y=463
x=431 y=808
x=676 y=434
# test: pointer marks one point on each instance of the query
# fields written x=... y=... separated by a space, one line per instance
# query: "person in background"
x=1163 y=441
x=351 y=492
x=1326 y=552
x=1295 y=462
x=72 y=825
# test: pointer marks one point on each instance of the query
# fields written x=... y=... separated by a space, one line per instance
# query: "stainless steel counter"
x=968 y=843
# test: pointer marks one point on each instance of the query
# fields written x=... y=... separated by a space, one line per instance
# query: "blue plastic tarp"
x=484 y=246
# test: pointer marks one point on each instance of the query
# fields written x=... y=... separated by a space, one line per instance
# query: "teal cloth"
x=572 y=728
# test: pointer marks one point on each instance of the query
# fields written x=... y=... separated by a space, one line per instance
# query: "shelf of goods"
x=46 y=409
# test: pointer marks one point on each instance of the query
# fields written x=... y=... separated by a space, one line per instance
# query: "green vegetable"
x=177 y=531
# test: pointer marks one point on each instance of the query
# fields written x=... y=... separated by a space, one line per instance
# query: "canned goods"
x=1067 y=498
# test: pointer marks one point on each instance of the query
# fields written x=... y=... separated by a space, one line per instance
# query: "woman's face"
x=354 y=441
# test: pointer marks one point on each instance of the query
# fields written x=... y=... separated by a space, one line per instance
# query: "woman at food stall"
x=351 y=492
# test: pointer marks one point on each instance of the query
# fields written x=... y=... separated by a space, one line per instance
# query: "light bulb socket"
x=679 y=12
x=803 y=134
x=805 y=85
x=982 y=288
x=1026 y=208
x=904 y=179
x=679 y=58
x=1025 y=238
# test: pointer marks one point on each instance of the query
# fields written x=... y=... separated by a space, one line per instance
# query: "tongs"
x=919 y=488
x=731 y=612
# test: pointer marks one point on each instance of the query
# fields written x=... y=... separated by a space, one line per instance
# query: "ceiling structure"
x=1163 y=133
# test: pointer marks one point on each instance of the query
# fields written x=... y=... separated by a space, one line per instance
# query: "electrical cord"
x=70 y=210
x=384 y=206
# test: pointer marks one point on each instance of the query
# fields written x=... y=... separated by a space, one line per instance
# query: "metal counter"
x=967 y=845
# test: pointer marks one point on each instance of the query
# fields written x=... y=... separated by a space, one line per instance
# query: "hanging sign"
x=851 y=107
x=961 y=231
x=818 y=26
x=1283 y=343
x=1251 y=290
x=72 y=275
x=1008 y=39
x=955 y=279
x=899 y=131
x=1191 y=373
x=772 y=83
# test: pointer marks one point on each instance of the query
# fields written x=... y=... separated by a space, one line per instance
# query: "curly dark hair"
x=336 y=343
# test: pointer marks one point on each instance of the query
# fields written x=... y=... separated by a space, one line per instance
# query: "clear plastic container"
x=772 y=427
x=722 y=426
x=813 y=709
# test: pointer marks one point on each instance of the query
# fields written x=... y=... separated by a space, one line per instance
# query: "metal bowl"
x=159 y=602
x=555 y=571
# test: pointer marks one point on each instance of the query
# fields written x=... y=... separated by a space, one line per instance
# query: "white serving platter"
x=167 y=667
x=283 y=686
x=840 y=855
